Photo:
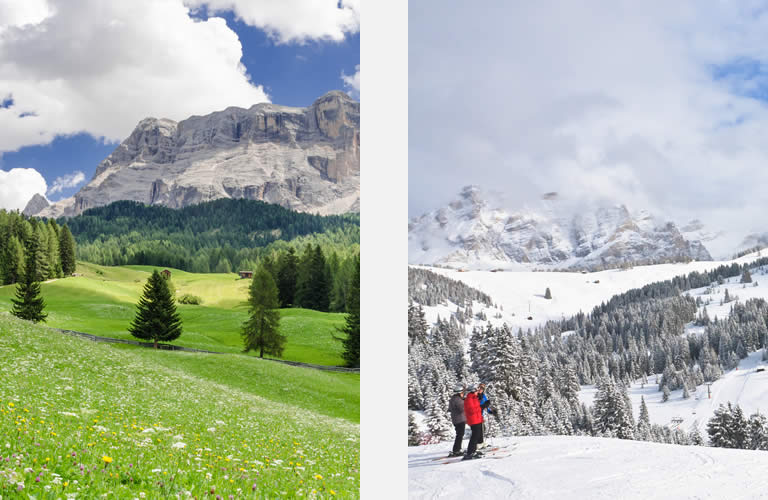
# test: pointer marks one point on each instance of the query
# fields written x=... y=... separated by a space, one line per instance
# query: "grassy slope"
x=102 y=302
x=79 y=401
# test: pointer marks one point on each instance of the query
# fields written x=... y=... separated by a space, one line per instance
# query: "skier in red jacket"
x=474 y=415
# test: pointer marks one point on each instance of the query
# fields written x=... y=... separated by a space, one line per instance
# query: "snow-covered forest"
x=661 y=334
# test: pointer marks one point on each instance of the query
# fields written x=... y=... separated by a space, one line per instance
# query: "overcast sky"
x=658 y=105
x=76 y=76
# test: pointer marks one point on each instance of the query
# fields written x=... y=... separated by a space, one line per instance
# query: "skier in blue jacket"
x=485 y=404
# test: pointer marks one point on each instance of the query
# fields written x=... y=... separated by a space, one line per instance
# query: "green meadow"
x=102 y=302
x=81 y=419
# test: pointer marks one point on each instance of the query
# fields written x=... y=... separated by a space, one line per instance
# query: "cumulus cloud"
x=352 y=82
x=66 y=181
x=655 y=104
x=18 y=186
x=295 y=21
x=100 y=67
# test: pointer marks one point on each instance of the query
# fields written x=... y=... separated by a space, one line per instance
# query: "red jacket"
x=472 y=409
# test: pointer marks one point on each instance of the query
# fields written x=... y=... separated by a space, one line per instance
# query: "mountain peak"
x=37 y=203
x=305 y=159
x=477 y=232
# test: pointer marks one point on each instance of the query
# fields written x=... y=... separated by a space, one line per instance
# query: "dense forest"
x=218 y=236
x=535 y=376
x=311 y=258
x=54 y=248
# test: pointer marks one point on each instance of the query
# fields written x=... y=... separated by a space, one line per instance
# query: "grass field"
x=85 y=420
x=102 y=302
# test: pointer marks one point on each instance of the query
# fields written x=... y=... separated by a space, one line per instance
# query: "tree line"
x=51 y=246
x=217 y=236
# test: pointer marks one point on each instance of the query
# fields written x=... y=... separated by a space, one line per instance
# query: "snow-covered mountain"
x=476 y=232
x=305 y=159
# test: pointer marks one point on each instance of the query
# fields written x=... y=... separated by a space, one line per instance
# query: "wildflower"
x=318 y=476
x=107 y=460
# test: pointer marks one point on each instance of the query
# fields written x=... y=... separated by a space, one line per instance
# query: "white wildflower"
x=179 y=445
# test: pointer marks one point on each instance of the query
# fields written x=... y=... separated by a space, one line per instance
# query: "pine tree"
x=320 y=287
x=303 y=294
x=156 y=317
x=40 y=239
x=28 y=303
x=67 y=251
x=351 y=343
x=665 y=393
x=746 y=277
x=414 y=436
x=286 y=277
x=547 y=294
x=261 y=331
x=644 y=417
x=13 y=261
x=757 y=432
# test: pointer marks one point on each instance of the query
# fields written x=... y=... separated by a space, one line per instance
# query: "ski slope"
x=744 y=386
x=575 y=467
x=521 y=294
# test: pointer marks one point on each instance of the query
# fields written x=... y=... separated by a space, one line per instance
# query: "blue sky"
x=290 y=64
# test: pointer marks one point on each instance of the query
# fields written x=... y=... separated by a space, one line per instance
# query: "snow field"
x=576 y=467
x=572 y=292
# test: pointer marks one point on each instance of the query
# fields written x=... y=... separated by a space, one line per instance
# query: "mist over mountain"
x=478 y=230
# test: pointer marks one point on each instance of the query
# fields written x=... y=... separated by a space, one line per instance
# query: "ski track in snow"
x=575 y=467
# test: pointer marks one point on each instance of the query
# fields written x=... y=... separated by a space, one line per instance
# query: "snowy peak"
x=477 y=231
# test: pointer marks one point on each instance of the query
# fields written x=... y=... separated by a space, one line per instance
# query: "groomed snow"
x=574 y=467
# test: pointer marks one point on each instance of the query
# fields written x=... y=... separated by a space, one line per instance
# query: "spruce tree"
x=40 y=239
x=746 y=277
x=156 y=317
x=13 y=261
x=286 y=277
x=320 y=283
x=28 y=303
x=67 y=251
x=414 y=436
x=547 y=293
x=351 y=343
x=303 y=294
x=261 y=331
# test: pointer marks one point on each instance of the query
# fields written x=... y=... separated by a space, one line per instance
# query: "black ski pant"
x=477 y=431
x=459 y=436
x=482 y=432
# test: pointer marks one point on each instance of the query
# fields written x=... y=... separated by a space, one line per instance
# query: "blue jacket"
x=485 y=403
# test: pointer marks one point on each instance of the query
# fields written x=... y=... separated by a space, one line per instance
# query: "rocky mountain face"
x=37 y=203
x=471 y=232
x=305 y=159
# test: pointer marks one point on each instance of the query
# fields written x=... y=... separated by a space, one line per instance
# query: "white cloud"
x=66 y=181
x=352 y=82
x=617 y=100
x=293 y=20
x=18 y=186
x=101 y=67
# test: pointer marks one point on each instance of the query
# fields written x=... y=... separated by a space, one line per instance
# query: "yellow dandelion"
x=107 y=460
x=318 y=476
